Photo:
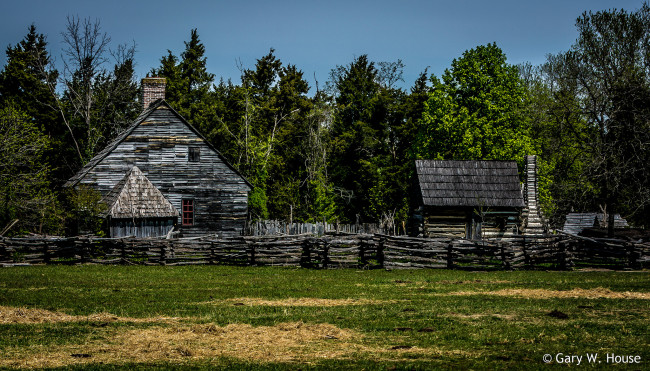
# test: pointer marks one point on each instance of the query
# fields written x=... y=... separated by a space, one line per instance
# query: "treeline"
x=344 y=149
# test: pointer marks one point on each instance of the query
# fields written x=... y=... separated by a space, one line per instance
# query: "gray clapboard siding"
x=158 y=144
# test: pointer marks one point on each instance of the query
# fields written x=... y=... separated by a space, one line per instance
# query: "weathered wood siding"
x=141 y=227
x=500 y=225
x=159 y=146
x=462 y=223
x=445 y=222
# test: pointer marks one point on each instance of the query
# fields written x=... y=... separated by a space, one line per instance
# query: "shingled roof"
x=576 y=222
x=135 y=197
x=122 y=136
x=469 y=183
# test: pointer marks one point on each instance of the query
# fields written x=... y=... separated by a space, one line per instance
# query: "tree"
x=25 y=84
x=475 y=111
x=189 y=84
x=606 y=71
x=22 y=84
x=368 y=148
x=24 y=176
x=91 y=90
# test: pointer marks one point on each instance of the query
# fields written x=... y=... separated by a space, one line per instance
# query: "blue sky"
x=316 y=36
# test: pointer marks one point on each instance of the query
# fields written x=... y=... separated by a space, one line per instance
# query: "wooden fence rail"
x=334 y=250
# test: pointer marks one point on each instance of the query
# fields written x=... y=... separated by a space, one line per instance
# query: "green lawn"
x=107 y=317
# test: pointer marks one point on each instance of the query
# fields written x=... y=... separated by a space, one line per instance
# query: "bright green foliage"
x=26 y=83
x=24 y=176
x=475 y=111
x=560 y=133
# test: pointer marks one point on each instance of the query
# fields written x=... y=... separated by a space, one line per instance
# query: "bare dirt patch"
x=36 y=316
x=300 y=302
x=595 y=293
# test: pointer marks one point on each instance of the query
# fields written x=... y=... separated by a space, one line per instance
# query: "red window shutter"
x=188 y=212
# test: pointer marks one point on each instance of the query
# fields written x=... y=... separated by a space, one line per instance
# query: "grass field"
x=107 y=317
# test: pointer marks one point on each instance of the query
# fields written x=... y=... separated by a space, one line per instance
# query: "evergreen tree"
x=367 y=144
x=189 y=84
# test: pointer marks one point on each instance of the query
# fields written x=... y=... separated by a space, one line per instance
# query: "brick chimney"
x=153 y=88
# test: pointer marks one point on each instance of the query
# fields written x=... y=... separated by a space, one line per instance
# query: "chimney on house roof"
x=153 y=88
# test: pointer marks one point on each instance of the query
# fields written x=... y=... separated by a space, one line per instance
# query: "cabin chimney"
x=533 y=219
x=153 y=88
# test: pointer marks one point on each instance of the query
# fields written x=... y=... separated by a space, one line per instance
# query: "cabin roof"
x=576 y=222
x=136 y=197
x=122 y=136
x=447 y=183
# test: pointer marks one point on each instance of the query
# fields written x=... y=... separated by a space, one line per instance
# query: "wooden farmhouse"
x=468 y=199
x=161 y=174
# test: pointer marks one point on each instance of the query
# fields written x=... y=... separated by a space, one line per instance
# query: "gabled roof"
x=122 y=136
x=135 y=197
x=469 y=183
x=576 y=222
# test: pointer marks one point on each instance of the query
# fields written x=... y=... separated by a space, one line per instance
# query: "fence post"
x=305 y=256
x=505 y=256
x=562 y=255
x=251 y=253
x=163 y=254
x=325 y=257
x=528 y=262
x=632 y=256
x=450 y=255
x=46 y=251
x=381 y=257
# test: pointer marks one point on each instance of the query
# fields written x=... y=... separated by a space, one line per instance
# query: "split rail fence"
x=333 y=251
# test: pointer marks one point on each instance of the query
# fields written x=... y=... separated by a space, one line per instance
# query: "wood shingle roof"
x=576 y=222
x=160 y=103
x=136 y=197
x=469 y=183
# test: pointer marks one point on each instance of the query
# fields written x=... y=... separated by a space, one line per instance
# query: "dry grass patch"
x=300 y=302
x=183 y=344
x=285 y=342
x=595 y=293
x=10 y=315
x=481 y=315
x=462 y=282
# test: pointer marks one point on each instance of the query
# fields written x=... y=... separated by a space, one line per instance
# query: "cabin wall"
x=499 y=226
x=144 y=227
x=446 y=222
x=159 y=146
x=464 y=223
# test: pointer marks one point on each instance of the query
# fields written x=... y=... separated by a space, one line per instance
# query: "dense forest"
x=345 y=149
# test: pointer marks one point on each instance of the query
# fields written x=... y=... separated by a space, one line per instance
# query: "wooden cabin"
x=468 y=199
x=576 y=222
x=161 y=173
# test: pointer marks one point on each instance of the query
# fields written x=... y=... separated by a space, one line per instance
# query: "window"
x=194 y=154
x=188 y=212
